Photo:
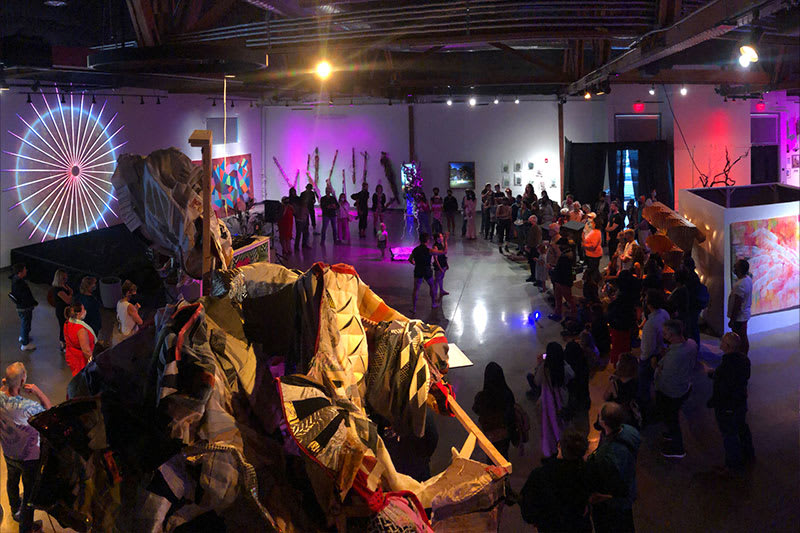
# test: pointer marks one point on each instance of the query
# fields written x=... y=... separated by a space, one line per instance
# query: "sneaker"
x=27 y=347
x=674 y=454
x=530 y=279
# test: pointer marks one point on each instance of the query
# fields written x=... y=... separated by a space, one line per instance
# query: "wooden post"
x=561 y=143
x=412 y=156
x=202 y=139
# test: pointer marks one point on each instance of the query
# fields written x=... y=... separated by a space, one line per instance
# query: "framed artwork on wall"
x=517 y=178
x=517 y=166
x=506 y=182
x=504 y=167
x=796 y=161
x=530 y=165
x=771 y=247
x=462 y=174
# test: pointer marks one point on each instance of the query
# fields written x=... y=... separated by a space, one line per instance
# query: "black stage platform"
x=112 y=251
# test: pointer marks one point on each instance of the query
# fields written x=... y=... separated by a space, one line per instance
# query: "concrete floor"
x=486 y=314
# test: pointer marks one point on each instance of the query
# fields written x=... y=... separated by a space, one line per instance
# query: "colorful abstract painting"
x=233 y=182
x=772 y=247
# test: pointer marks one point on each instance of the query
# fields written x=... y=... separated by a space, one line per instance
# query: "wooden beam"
x=485 y=444
x=144 y=23
x=527 y=56
x=211 y=17
x=695 y=77
x=202 y=139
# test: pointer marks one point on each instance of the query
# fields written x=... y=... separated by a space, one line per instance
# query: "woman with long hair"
x=60 y=296
x=552 y=374
x=579 y=399
x=469 y=214
x=80 y=338
x=494 y=405
x=90 y=303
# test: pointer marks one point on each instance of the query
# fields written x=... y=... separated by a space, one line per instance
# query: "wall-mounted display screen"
x=462 y=174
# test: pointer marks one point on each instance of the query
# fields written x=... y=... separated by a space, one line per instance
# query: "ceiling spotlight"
x=158 y=100
x=323 y=70
x=28 y=101
x=652 y=90
x=516 y=100
x=63 y=100
x=496 y=101
x=747 y=48
x=233 y=104
x=472 y=101
x=587 y=95
x=141 y=100
x=449 y=101
x=94 y=100
x=684 y=90
x=122 y=99
x=213 y=102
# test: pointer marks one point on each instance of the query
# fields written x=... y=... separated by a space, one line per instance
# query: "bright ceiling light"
x=472 y=101
x=684 y=91
x=652 y=90
x=449 y=101
x=516 y=100
x=748 y=51
x=744 y=61
x=323 y=70
x=496 y=101
x=587 y=95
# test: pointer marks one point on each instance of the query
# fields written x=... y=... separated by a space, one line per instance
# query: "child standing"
x=383 y=237
x=343 y=218
x=285 y=225
x=440 y=263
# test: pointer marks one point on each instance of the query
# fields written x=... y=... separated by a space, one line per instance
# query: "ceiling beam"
x=696 y=77
x=711 y=21
x=144 y=22
x=212 y=16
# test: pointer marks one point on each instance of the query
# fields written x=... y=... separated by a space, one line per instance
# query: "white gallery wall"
x=147 y=128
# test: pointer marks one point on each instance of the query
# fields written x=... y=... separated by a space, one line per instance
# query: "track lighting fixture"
x=233 y=104
x=158 y=100
x=652 y=90
x=213 y=102
x=141 y=100
x=28 y=101
x=94 y=100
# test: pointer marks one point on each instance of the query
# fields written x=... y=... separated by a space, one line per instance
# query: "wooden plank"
x=202 y=139
x=486 y=445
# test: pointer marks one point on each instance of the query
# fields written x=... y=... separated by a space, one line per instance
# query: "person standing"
x=533 y=239
x=563 y=278
x=552 y=374
x=673 y=384
x=632 y=253
x=592 y=245
x=128 y=319
x=503 y=216
x=361 y=199
x=440 y=265
x=309 y=199
x=469 y=215
x=383 y=240
x=329 y=207
x=421 y=259
x=343 y=218
x=729 y=401
x=25 y=302
x=652 y=345
x=87 y=298
x=739 y=302
x=300 y=219
x=61 y=294
x=615 y=224
x=450 y=207
x=611 y=472
x=423 y=214
x=437 y=207
x=489 y=210
x=485 y=203
x=80 y=338
x=378 y=207
x=578 y=387
x=494 y=405
x=555 y=497
x=285 y=226
x=21 y=441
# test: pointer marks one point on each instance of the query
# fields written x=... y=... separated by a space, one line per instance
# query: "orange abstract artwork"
x=771 y=246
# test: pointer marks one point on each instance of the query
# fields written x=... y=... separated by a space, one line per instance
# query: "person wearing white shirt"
x=739 y=301
x=652 y=345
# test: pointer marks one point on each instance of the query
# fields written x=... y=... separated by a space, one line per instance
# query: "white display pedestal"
x=713 y=210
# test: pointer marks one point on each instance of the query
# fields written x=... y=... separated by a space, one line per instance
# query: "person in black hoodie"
x=729 y=401
x=578 y=387
x=23 y=298
x=562 y=277
x=611 y=472
x=555 y=496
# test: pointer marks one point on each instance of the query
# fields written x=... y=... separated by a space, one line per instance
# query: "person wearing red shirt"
x=592 y=245
x=79 y=337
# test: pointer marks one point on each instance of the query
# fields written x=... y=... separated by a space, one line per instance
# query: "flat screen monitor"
x=462 y=174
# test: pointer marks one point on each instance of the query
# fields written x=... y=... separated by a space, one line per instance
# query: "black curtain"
x=764 y=164
x=584 y=170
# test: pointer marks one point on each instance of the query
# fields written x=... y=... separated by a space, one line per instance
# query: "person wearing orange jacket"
x=592 y=245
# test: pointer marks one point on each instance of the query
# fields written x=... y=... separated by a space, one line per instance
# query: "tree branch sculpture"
x=726 y=180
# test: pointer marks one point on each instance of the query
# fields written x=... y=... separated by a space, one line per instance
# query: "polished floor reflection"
x=486 y=314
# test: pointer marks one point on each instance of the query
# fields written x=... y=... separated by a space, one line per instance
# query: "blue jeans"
x=25 y=317
x=325 y=222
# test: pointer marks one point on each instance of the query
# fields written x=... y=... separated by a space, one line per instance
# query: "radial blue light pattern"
x=63 y=168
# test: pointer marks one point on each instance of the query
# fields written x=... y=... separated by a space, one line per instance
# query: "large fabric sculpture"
x=184 y=424
x=161 y=197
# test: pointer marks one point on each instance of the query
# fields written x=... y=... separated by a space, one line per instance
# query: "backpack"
x=522 y=424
